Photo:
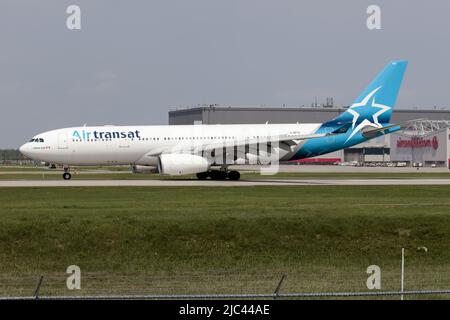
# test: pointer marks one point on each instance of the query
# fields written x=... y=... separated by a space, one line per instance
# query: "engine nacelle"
x=179 y=164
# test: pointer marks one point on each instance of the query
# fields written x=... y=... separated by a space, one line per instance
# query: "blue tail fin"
x=376 y=102
x=372 y=110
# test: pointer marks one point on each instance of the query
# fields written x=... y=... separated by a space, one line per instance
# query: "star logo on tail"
x=366 y=108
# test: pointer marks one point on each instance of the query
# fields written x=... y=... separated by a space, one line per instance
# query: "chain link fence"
x=323 y=283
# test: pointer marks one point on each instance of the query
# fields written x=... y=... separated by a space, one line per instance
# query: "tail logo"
x=367 y=108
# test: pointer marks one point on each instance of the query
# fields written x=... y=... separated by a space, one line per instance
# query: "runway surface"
x=226 y=183
x=247 y=168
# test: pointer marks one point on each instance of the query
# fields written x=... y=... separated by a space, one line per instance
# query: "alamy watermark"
x=374 y=279
x=73 y=21
x=373 y=21
x=73 y=281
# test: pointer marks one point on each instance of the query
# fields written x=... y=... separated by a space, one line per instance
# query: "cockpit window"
x=41 y=140
x=37 y=140
x=32 y=140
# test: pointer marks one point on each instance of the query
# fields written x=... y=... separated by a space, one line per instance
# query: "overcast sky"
x=133 y=61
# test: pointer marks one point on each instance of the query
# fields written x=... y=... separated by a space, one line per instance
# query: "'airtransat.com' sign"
x=418 y=143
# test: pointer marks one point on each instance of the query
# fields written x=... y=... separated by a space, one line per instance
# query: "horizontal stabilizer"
x=370 y=132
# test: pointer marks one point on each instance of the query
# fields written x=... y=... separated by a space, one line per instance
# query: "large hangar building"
x=426 y=142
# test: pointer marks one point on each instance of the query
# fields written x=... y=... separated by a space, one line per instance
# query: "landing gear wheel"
x=233 y=175
x=202 y=175
x=218 y=175
x=67 y=176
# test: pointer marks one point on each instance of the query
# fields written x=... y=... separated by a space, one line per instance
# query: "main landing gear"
x=66 y=174
x=219 y=175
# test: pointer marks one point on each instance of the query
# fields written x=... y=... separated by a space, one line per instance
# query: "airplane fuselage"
x=140 y=145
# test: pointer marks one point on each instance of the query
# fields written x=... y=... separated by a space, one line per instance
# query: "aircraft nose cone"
x=24 y=149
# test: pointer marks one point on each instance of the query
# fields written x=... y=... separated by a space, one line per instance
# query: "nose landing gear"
x=66 y=174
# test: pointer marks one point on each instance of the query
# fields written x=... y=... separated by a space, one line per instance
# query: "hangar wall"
x=429 y=149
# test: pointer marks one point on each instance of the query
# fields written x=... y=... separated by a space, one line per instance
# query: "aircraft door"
x=62 y=141
x=124 y=143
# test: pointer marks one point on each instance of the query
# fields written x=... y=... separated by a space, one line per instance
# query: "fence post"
x=403 y=273
x=38 y=287
x=279 y=286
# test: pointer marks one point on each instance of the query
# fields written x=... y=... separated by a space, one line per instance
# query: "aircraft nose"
x=24 y=149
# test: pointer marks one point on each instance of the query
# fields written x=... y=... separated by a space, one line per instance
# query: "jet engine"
x=179 y=164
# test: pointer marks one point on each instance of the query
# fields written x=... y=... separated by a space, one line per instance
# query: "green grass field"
x=164 y=240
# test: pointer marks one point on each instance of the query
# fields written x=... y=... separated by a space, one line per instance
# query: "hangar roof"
x=216 y=114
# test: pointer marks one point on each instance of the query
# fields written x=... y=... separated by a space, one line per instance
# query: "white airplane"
x=208 y=150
